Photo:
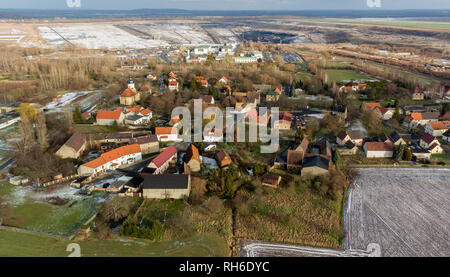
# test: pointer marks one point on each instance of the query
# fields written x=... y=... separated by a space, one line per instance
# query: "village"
x=93 y=152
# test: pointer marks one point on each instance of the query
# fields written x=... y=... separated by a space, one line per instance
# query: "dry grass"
x=293 y=215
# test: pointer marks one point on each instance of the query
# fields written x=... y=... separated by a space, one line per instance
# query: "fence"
x=59 y=181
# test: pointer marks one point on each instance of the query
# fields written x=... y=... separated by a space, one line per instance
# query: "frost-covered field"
x=405 y=211
x=175 y=33
x=65 y=99
x=95 y=36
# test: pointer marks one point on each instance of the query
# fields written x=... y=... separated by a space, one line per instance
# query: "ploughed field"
x=405 y=211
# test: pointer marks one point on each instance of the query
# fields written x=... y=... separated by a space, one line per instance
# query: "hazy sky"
x=227 y=4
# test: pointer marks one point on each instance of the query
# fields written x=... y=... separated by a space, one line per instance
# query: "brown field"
x=295 y=217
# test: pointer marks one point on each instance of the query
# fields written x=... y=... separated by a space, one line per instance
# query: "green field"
x=13 y=244
x=300 y=75
x=336 y=75
x=32 y=212
x=441 y=158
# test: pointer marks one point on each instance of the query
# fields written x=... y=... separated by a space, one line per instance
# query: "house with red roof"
x=167 y=133
x=125 y=155
x=437 y=128
x=161 y=163
x=74 y=147
x=192 y=159
x=427 y=140
x=173 y=85
x=107 y=118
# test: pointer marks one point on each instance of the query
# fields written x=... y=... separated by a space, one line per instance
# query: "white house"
x=379 y=150
x=427 y=140
x=212 y=135
x=112 y=160
x=354 y=136
x=438 y=128
x=107 y=118
x=167 y=133
x=161 y=163
x=173 y=85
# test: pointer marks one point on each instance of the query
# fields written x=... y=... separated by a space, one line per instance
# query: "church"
x=130 y=95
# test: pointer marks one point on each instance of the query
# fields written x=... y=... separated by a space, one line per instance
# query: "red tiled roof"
x=371 y=105
x=164 y=156
x=165 y=130
x=191 y=153
x=428 y=138
x=145 y=111
x=102 y=114
x=416 y=116
x=114 y=154
x=129 y=93
x=440 y=125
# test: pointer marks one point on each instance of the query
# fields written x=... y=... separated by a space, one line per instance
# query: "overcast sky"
x=227 y=4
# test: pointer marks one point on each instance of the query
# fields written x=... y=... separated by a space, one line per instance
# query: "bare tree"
x=41 y=130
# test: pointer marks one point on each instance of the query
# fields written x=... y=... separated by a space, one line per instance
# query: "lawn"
x=91 y=129
x=441 y=158
x=13 y=244
x=32 y=211
x=301 y=75
x=337 y=75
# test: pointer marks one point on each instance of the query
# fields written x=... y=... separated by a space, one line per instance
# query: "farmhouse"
x=192 y=158
x=369 y=106
x=166 y=186
x=396 y=139
x=384 y=113
x=112 y=160
x=438 y=128
x=419 y=153
x=223 y=159
x=349 y=148
x=130 y=95
x=379 y=150
x=295 y=156
x=107 y=118
x=162 y=162
x=212 y=135
x=354 y=136
x=173 y=85
x=149 y=144
x=166 y=133
x=74 y=147
x=416 y=94
x=421 y=119
x=315 y=166
x=285 y=121
x=427 y=140
x=436 y=148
